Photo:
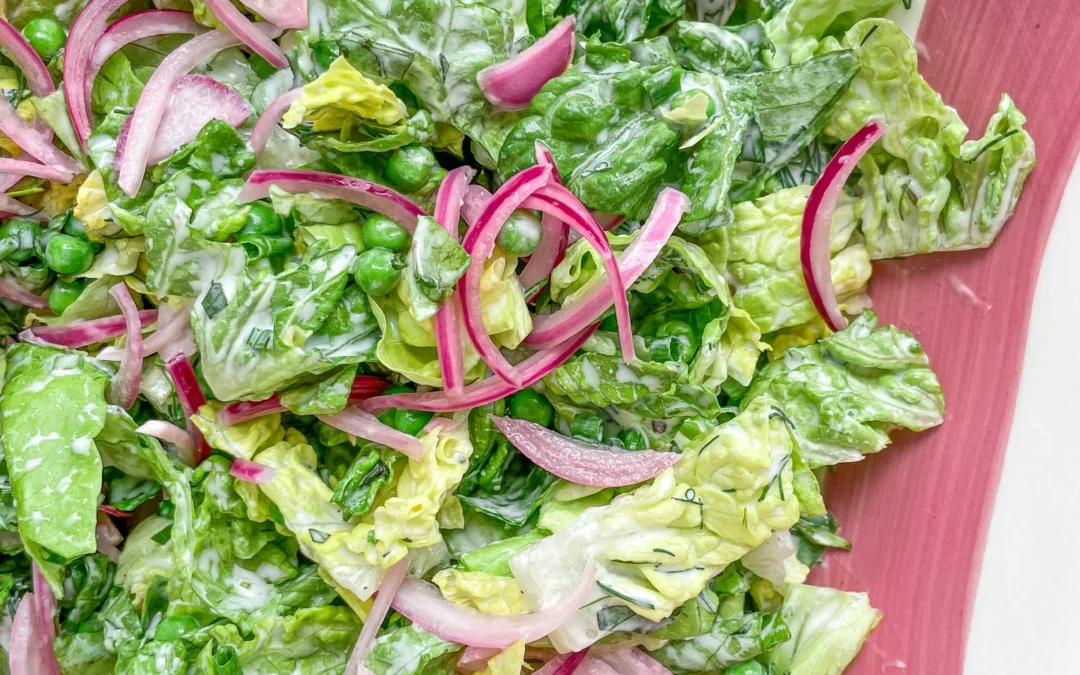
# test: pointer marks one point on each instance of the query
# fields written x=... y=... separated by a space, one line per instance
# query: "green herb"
x=610 y=618
x=214 y=302
x=260 y=338
x=874 y=29
x=1002 y=137
x=632 y=601
x=318 y=536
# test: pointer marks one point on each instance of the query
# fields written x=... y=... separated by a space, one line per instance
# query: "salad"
x=419 y=338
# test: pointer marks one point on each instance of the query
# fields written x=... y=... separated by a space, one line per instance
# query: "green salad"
x=447 y=336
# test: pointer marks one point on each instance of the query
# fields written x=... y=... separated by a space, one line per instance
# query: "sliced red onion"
x=35 y=141
x=168 y=432
x=281 y=13
x=448 y=341
x=379 y=609
x=476 y=198
x=10 y=289
x=366 y=194
x=26 y=59
x=563 y=664
x=112 y=511
x=12 y=208
x=479 y=243
x=475 y=658
x=106 y=547
x=366 y=386
x=595 y=666
x=173 y=328
x=359 y=423
x=29 y=653
x=582 y=463
x=84 y=333
x=252 y=472
x=145 y=121
x=124 y=386
x=27 y=168
x=87 y=28
x=269 y=119
x=44 y=625
x=634 y=662
x=196 y=101
x=242 y=411
x=491 y=389
x=548 y=329
x=817 y=222
x=191 y=398
x=557 y=201
x=555 y=237
x=128 y=29
x=608 y=221
x=238 y=24
x=423 y=604
x=512 y=84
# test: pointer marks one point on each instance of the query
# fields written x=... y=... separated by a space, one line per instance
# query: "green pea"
x=17 y=239
x=46 y=36
x=64 y=293
x=684 y=333
x=261 y=219
x=381 y=232
x=411 y=422
x=65 y=254
x=376 y=271
x=410 y=167
x=261 y=66
x=746 y=668
x=387 y=416
x=75 y=227
x=521 y=234
x=587 y=428
x=632 y=439
x=532 y=406
x=683 y=97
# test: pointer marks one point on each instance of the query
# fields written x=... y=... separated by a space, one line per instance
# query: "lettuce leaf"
x=828 y=627
x=727 y=643
x=844 y=394
x=797 y=29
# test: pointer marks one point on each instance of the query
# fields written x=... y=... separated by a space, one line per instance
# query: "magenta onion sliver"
x=448 y=343
x=379 y=609
x=87 y=28
x=106 y=547
x=196 y=100
x=239 y=25
x=633 y=662
x=124 y=385
x=487 y=390
x=281 y=13
x=173 y=328
x=479 y=243
x=594 y=666
x=45 y=627
x=423 y=604
x=582 y=463
x=353 y=421
x=112 y=511
x=817 y=222
x=242 y=411
x=556 y=234
x=252 y=472
x=128 y=29
x=563 y=664
x=27 y=168
x=11 y=290
x=29 y=651
x=35 y=141
x=476 y=198
x=168 y=432
x=268 y=121
x=548 y=329
x=191 y=398
x=363 y=193
x=26 y=59
x=11 y=207
x=557 y=201
x=133 y=156
x=512 y=84
x=85 y=333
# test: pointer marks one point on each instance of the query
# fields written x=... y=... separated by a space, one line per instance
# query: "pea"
x=587 y=428
x=520 y=235
x=531 y=406
x=410 y=167
x=261 y=219
x=387 y=416
x=64 y=293
x=632 y=439
x=65 y=254
x=17 y=237
x=261 y=66
x=683 y=97
x=376 y=271
x=75 y=227
x=381 y=232
x=46 y=36
x=746 y=668
x=411 y=422
x=684 y=333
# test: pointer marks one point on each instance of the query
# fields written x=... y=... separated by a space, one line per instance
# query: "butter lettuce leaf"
x=727 y=643
x=828 y=627
x=842 y=409
x=433 y=267
x=796 y=31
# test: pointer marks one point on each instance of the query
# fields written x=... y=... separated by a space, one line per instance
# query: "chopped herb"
x=260 y=338
x=874 y=29
x=163 y=536
x=1010 y=132
x=666 y=552
x=610 y=618
x=215 y=301
x=318 y=536
x=612 y=591
x=777 y=412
